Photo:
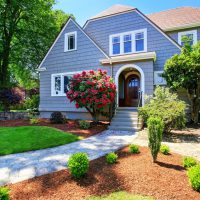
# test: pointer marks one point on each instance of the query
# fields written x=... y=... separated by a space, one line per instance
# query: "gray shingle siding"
x=100 y=30
x=86 y=57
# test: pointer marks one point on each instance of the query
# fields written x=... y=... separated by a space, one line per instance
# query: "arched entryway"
x=129 y=80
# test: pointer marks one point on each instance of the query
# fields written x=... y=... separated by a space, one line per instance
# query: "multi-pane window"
x=116 y=45
x=187 y=36
x=127 y=43
x=134 y=82
x=60 y=83
x=70 y=41
x=139 y=41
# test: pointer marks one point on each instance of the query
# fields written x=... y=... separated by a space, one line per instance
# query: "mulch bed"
x=165 y=180
x=71 y=126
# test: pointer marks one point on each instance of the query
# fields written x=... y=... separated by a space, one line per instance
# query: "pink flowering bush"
x=93 y=90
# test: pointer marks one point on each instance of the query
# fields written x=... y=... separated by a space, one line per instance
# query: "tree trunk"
x=95 y=117
x=195 y=105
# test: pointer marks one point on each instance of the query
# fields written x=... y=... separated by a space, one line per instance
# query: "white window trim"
x=53 y=94
x=194 y=32
x=121 y=35
x=66 y=41
x=156 y=82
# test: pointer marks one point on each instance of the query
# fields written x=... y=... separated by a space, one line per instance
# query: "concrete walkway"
x=22 y=166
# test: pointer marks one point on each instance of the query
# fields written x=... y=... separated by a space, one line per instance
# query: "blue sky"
x=84 y=9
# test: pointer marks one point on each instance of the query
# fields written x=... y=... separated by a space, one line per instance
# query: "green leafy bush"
x=133 y=148
x=167 y=107
x=34 y=120
x=189 y=162
x=4 y=193
x=194 y=177
x=78 y=165
x=111 y=158
x=164 y=149
x=57 y=118
x=155 y=131
x=32 y=102
x=84 y=124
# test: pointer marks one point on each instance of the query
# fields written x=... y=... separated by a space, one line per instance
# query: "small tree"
x=155 y=131
x=183 y=71
x=9 y=97
x=93 y=90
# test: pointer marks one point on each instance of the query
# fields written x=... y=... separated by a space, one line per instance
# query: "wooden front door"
x=132 y=86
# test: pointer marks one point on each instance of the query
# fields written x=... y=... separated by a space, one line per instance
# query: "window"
x=158 y=79
x=139 y=41
x=59 y=83
x=129 y=42
x=70 y=41
x=116 y=45
x=133 y=82
x=192 y=36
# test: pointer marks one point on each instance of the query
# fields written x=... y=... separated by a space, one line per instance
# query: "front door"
x=132 y=86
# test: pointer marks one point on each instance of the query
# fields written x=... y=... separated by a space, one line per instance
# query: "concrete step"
x=126 y=112
x=127 y=109
x=122 y=128
x=125 y=119
x=126 y=115
x=129 y=123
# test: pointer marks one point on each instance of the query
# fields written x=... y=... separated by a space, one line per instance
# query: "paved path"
x=22 y=166
x=183 y=148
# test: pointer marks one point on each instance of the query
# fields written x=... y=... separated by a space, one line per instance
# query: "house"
x=130 y=45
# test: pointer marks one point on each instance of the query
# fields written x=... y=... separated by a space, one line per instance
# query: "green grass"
x=27 y=138
x=121 y=196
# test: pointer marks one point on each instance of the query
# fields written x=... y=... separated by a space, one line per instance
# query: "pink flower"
x=77 y=105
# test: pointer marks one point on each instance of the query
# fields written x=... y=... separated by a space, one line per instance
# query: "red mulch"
x=71 y=126
x=165 y=180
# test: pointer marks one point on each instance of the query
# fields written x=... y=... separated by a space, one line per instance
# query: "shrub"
x=8 y=98
x=57 y=118
x=155 y=131
x=111 y=158
x=93 y=90
x=189 y=162
x=78 y=165
x=133 y=148
x=164 y=149
x=4 y=193
x=34 y=120
x=194 y=177
x=84 y=124
x=167 y=107
x=32 y=102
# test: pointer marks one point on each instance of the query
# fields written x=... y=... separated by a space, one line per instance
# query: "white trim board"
x=66 y=41
x=70 y=19
x=145 y=18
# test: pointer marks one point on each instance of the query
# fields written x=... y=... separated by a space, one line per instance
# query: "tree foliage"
x=93 y=90
x=183 y=71
x=27 y=29
x=165 y=105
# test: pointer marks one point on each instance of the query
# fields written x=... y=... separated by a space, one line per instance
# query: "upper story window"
x=59 y=83
x=129 y=42
x=70 y=41
x=191 y=35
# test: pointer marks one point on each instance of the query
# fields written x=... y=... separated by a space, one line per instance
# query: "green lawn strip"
x=27 y=138
x=121 y=196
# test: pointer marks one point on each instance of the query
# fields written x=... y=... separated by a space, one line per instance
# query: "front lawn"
x=121 y=196
x=27 y=138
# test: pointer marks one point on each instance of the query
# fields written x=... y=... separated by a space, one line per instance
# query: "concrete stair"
x=126 y=119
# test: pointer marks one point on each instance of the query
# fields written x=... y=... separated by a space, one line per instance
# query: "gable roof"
x=115 y=9
x=178 y=18
x=70 y=19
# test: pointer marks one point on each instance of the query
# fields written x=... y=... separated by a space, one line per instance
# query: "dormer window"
x=70 y=41
x=129 y=42
x=191 y=35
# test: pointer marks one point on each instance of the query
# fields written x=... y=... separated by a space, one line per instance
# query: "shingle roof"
x=113 y=10
x=176 y=18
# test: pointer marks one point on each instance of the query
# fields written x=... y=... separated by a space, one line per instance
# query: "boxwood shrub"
x=194 y=177
x=4 y=193
x=78 y=164
x=164 y=149
x=111 y=158
x=189 y=162
x=133 y=148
